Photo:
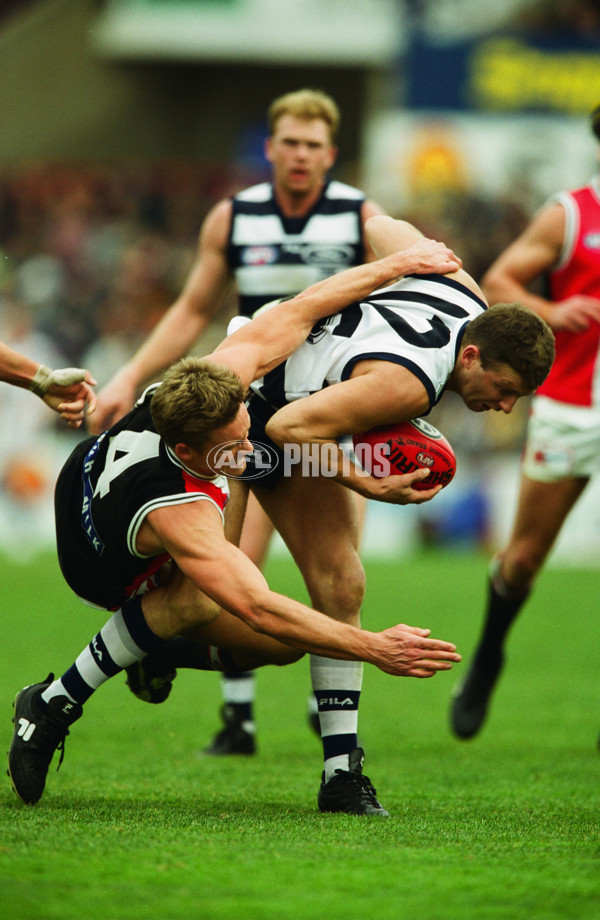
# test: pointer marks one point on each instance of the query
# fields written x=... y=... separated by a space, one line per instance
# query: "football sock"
x=181 y=652
x=502 y=608
x=238 y=688
x=123 y=639
x=336 y=686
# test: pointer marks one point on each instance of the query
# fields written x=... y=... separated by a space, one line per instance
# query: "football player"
x=140 y=531
x=384 y=359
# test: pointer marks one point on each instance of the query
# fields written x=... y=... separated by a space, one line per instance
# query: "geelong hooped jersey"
x=417 y=322
x=105 y=491
x=274 y=256
x=575 y=375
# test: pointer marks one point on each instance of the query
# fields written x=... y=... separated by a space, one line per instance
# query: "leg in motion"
x=45 y=711
x=238 y=733
x=317 y=518
x=541 y=512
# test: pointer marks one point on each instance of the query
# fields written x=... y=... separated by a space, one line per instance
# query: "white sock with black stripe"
x=123 y=639
x=336 y=686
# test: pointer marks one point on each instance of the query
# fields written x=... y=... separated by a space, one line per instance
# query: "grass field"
x=137 y=825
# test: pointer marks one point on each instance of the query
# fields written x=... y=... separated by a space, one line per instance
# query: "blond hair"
x=306 y=104
x=194 y=398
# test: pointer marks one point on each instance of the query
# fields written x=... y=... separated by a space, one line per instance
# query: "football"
x=406 y=447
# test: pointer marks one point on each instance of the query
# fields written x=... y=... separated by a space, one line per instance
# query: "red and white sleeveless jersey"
x=575 y=374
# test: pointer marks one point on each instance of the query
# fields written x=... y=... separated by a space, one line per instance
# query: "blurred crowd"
x=92 y=255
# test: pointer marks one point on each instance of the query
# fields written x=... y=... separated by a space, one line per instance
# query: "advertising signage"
x=504 y=73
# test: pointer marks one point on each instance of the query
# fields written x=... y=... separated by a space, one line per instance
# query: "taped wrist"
x=41 y=381
x=44 y=378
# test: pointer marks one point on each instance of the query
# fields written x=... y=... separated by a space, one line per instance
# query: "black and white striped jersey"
x=104 y=492
x=417 y=322
x=274 y=256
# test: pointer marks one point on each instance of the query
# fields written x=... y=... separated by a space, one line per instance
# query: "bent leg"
x=190 y=613
x=238 y=687
x=542 y=509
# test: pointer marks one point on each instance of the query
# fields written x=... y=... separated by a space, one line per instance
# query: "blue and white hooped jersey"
x=274 y=256
x=418 y=322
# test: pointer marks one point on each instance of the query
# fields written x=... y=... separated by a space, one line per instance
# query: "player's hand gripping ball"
x=404 y=448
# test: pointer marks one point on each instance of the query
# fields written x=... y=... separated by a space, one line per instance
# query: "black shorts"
x=77 y=560
x=264 y=467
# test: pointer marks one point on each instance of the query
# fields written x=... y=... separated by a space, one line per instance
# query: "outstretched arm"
x=67 y=391
x=272 y=336
x=193 y=535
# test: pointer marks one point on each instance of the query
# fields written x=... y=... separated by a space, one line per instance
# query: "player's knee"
x=338 y=589
x=521 y=562
x=288 y=656
x=195 y=612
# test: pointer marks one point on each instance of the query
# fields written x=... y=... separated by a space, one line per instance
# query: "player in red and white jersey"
x=562 y=450
x=574 y=287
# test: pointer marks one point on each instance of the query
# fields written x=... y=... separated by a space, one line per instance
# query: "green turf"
x=137 y=825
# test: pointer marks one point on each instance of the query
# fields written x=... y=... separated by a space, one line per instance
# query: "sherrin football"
x=404 y=448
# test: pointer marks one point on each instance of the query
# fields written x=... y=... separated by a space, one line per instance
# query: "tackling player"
x=382 y=360
x=140 y=518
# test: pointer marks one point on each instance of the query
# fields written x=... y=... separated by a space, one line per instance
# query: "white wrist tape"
x=44 y=378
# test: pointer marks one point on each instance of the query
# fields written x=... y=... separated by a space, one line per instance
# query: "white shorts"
x=563 y=441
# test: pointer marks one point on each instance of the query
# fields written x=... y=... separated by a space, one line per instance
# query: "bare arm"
x=184 y=321
x=193 y=534
x=68 y=391
x=271 y=337
x=381 y=393
x=370 y=209
x=534 y=252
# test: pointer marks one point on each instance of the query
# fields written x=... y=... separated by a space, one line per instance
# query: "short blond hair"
x=194 y=398
x=307 y=104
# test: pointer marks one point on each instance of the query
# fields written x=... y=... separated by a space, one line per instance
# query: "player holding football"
x=384 y=360
x=139 y=515
x=274 y=239
x=68 y=391
x=562 y=451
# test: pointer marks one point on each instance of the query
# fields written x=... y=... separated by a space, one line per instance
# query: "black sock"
x=180 y=652
x=502 y=609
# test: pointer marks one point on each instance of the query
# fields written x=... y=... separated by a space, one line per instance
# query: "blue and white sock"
x=336 y=686
x=123 y=639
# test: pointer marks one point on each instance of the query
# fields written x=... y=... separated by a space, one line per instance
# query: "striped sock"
x=125 y=638
x=336 y=686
